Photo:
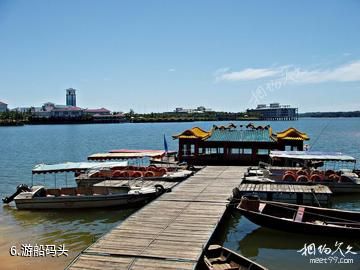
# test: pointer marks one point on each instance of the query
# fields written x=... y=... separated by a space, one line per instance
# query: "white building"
x=3 y=107
x=200 y=109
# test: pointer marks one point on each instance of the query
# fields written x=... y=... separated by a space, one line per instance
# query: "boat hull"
x=93 y=201
x=287 y=225
x=218 y=257
x=336 y=188
x=297 y=227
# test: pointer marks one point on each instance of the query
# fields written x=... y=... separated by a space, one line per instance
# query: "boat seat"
x=84 y=191
x=52 y=192
x=261 y=207
x=100 y=190
x=68 y=191
x=299 y=214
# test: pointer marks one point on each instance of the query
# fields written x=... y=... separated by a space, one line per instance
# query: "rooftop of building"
x=101 y=110
x=272 y=106
x=241 y=133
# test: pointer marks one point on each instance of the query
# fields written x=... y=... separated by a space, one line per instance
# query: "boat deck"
x=298 y=194
x=170 y=232
x=141 y=183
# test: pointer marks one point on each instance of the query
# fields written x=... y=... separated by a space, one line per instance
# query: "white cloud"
x=246 y=74
x=172 y=70
x=349 y=72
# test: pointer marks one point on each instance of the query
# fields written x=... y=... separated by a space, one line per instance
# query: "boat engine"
x=20 y=188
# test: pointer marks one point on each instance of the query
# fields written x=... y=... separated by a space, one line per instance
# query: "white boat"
x=39 y=197
x=97 y=175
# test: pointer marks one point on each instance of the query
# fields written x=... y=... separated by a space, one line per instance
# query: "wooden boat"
x=39 y=197
x=300 y=218
x=220 y=258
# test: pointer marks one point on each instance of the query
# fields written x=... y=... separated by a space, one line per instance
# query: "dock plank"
x=170 y=232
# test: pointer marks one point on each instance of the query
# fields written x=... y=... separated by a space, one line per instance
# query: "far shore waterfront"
x=165 y=118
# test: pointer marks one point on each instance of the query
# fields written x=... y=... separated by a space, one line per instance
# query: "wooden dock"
x=297 y=194
x=170 y=232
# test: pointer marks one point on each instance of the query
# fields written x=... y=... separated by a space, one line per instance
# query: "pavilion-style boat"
x=39 y=197
x=333 y=169
x=220 y=258
x=300 y=218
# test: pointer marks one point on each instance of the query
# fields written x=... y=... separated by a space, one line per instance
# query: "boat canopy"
x=312 y=155
x=75 y=166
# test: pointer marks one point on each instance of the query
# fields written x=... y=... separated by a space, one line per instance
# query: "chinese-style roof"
x=241 y=133
x=194 y=133
x=246 y=135
x=292 y=134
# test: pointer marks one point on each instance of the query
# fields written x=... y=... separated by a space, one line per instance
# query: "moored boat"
x=39 y=197
x=152 y=172
x=307 y=167
x=219 y=258
x=300 y=218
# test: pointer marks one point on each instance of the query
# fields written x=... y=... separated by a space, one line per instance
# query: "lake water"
x=23 y=147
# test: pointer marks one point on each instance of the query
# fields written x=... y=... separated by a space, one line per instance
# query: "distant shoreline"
x=331 y=114
x=23 y=123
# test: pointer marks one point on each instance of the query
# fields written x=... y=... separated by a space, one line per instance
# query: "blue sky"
x=158 y=55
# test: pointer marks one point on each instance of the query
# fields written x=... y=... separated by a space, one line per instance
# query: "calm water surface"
x=23 y=147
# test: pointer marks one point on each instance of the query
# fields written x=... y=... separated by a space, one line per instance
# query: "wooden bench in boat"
x=68 y=191
x=100 y=190
x=84 y=191
x=53 y=192
x=299 y=214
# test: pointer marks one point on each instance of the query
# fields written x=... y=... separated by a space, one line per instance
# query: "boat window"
x=247 y=151
x=263 y=151
x=192 y=148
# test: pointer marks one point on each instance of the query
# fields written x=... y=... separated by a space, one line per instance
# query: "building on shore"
x=101 y=111
x=50 y=111
x=232 y=145
x=275 y=111
x=3 y=107
x=103 y=115
x=71 y=97
x=200 y=109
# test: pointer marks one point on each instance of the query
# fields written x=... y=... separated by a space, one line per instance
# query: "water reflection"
x=75 y=228
x=277 y=249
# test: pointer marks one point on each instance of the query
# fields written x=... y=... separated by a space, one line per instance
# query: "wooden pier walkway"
x=170 y=232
